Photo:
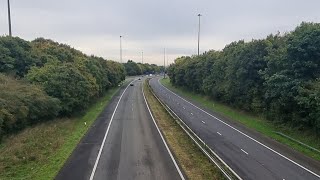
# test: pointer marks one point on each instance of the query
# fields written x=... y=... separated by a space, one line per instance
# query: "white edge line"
x=174 y=161
x=216 y=155
x=219 y=133
x=274 y=151
x=203 y=150
x=105 y=136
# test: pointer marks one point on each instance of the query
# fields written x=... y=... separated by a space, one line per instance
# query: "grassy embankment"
x=193 y=162
x=39 y=152
x=261 y=125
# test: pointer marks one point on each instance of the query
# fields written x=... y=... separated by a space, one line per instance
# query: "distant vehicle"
x=139 y=79
x=131 y=84
x=150 y=75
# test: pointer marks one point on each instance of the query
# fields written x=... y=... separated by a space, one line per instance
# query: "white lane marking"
x=219 y=133
x=174 y=161
x=177 y=103
x=191 y=113
x=267 y=147
x=184 y=108
x=198 y=138
x=106 y=134
x=203 y=122
x=244 y=151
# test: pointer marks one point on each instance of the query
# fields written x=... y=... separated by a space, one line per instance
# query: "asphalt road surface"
x=247 y=153
x=123 y=144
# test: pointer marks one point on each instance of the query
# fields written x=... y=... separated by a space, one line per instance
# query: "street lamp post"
x=164 y=63
x=142 y=57
x=9 y=18
x=199 y=35
x=120 y=50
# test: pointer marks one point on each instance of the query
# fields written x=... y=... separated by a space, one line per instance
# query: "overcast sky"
x=94 y=26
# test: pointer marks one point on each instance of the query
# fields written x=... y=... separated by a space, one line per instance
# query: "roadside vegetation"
x=276 y=78
x=193 y=162
x=39 y=152
x=50 y=93
x=42 y=80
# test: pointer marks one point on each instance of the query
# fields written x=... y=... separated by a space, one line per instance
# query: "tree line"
x=278 y=77
x=43 y=79
x=133 y=68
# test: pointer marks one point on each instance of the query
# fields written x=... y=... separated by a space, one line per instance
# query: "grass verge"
x=261 y=125
x=193 y=162
x=39 y=152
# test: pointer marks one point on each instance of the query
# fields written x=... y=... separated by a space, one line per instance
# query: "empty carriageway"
x=246 y=156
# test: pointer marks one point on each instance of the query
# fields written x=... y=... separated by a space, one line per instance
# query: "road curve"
x=248 y=157
x=132 y=149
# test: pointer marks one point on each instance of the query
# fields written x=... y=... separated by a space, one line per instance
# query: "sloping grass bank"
x=265 y=127
x=39 y=152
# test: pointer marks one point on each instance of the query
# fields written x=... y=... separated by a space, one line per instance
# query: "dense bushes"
x=23 y=104
x=55 y=80
x=278 y=76
x=65 y=82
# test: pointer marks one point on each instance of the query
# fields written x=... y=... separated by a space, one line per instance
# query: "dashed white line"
x=219 y=133
x=191 y=113
x=265 y=146
x=203 y=122
x=244 y=151
x=184 y=108
x=106 y=134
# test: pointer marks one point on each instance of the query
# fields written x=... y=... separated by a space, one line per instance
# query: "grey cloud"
x=150 y=25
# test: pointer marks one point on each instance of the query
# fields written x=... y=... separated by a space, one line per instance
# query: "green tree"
x=132 y=68
x=15 y=56
x=65 y=82
x=23 y=104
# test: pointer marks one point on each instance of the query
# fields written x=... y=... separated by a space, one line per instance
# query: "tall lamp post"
x=164 y=63
x=199 y=35
x=9 y=19
x=142 y=57
x=120 y=50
